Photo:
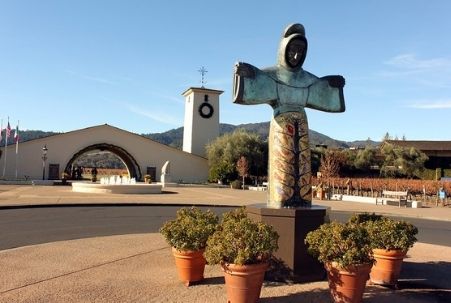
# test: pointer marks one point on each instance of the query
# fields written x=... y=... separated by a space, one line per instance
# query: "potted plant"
x=188 y=235
x=64 y=177
x=345 y=250
x=236 y=184
x=391 y=239
x=147 y=179
x=243 y=248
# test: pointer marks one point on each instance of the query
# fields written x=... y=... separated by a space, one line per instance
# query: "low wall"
x=359 y=199
x=370 y=200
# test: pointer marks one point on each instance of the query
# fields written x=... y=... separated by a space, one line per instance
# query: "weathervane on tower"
x=202 y=72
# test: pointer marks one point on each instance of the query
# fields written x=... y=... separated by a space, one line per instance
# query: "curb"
x=131 y=204
x=196 y=204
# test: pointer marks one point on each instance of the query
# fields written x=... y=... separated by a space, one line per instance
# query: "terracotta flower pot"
x=190 y=265
x=347 y=285
x=244 y=282
x=387 y=268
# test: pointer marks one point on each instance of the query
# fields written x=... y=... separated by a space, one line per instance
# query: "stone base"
x=292 y=263
x=43 y=182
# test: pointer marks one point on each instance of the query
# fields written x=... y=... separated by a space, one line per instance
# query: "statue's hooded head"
x=293 y=47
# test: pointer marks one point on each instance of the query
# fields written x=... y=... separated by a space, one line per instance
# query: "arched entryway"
x=129 y=161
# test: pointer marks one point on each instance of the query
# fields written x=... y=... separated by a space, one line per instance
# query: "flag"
x=16 y=134
x=8 y=131
x=16 y=138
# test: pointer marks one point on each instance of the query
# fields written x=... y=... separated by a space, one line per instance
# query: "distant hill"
x=174 y=137
x=364 y=143
x=27 y=135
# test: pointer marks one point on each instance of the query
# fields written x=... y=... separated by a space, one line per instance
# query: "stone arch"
x=129 y=161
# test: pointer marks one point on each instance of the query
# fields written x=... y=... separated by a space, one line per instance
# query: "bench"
x=397 y=196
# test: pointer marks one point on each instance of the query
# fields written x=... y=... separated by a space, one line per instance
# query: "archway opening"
x=109 y=160
x=105 y=162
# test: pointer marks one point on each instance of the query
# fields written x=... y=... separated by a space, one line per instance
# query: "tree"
x=390 y=164
x=386 y=137
x=242 y=166
x=347 y=165
x=365 y=158
x=330 y=164
x=224 y=152
x=412 y=162
x=316 y=155
x=402 y=161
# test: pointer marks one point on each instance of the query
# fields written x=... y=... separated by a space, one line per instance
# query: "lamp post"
x=44 y=158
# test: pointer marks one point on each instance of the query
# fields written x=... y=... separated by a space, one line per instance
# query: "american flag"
x=8 y=131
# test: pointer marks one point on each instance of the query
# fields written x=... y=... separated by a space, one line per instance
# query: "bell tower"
x=201 y=119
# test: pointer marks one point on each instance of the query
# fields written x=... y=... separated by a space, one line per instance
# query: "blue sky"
x=66 y=65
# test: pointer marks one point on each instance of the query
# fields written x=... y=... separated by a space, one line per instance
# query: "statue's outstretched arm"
x=252 y=85
x=335 y=81
x=326 y=94
x=244 y=70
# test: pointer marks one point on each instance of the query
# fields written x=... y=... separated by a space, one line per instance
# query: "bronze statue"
x=288 y=89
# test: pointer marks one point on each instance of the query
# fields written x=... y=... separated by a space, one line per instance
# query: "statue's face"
x=295 y=52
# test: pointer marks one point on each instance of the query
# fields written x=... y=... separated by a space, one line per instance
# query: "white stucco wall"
x=62 y=147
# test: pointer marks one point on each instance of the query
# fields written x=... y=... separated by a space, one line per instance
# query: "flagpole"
x=6 y=143
x=16 y=135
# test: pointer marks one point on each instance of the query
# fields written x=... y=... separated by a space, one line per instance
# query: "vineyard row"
x=373 y=187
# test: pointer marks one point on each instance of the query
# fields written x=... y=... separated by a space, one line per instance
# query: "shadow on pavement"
x=169 y=192
x=378 y=294
x=419 y=282
x=311 y=296
x=428 y=275
x=213 y=281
